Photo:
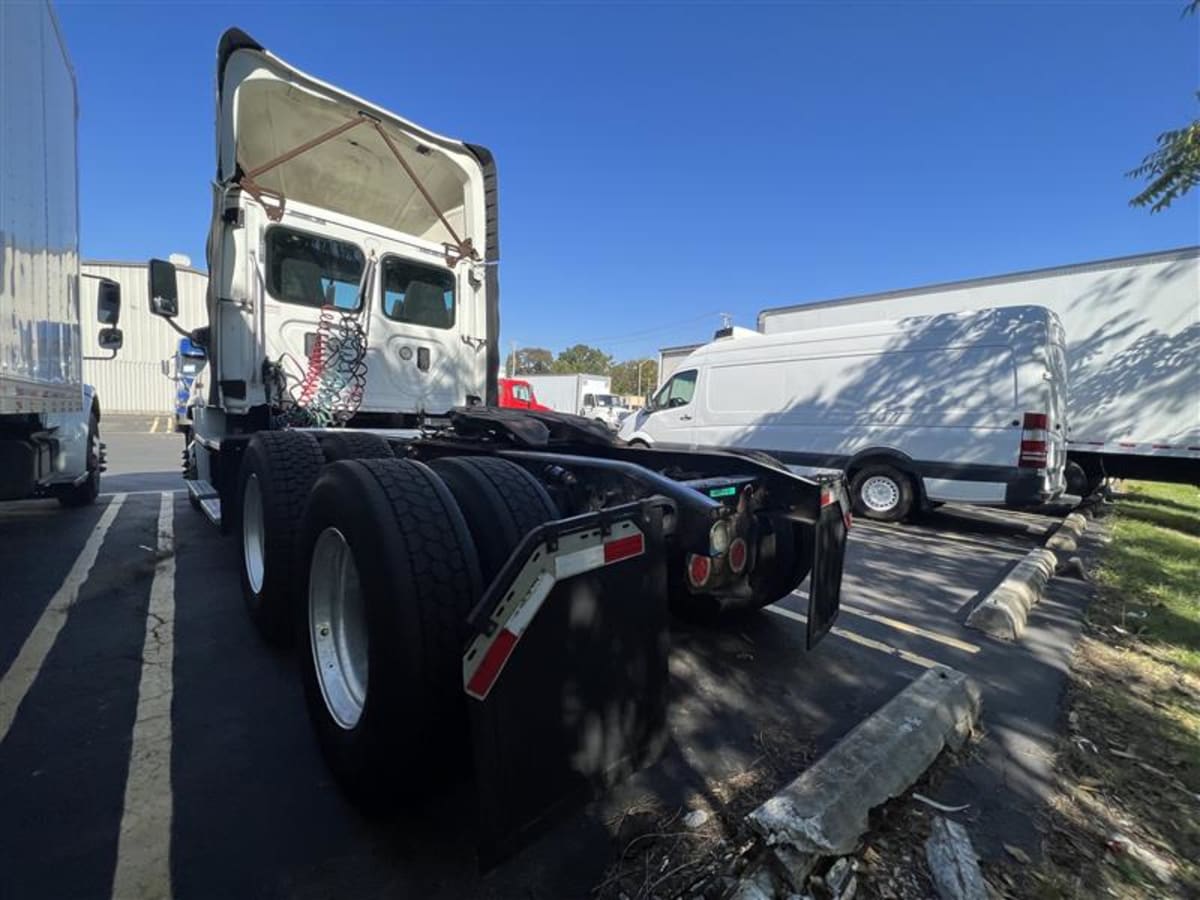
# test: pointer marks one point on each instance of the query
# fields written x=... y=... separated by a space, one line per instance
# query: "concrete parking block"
x=824 y=811
x=1004 y=611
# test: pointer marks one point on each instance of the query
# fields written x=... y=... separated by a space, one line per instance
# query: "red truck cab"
x=518 y=394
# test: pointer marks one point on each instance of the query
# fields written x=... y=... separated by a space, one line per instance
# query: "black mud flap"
x=567 y=676
x=825 y=586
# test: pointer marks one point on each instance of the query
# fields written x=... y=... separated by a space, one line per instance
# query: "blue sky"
x=660 y=163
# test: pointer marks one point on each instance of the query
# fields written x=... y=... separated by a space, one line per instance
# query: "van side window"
x=589 y=400
x=678 y=391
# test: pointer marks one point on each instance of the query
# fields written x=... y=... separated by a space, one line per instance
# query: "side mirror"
x=108 y=302
x=164 y=291
x=111 y=339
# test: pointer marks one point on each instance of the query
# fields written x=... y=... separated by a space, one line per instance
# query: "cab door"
x=671 y=421
x=420 y=357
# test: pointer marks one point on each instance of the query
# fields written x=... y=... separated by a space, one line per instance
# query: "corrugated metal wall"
x=133 y=382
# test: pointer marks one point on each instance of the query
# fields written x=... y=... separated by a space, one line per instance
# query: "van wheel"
x=881 y=492
x=278 y=470
x=390 y=577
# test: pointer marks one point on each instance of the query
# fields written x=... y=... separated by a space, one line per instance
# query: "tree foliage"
x=625 y=376
x=583 y=359
x=532 y=361
x=1174 y=168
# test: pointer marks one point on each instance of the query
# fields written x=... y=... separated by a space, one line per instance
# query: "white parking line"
x=15 y=683
x=144 y=848
x=914 y=658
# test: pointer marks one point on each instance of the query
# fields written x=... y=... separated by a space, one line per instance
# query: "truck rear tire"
x=882 y=492
x=1078 y=482
x=390 y=575
x=353 y=445
x=86 y=492
x=502 y=503
x=278 y=471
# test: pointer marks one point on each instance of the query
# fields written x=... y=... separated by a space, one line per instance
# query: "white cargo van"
x=966 y=407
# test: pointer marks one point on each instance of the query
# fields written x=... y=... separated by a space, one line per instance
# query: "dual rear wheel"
x=388 y=557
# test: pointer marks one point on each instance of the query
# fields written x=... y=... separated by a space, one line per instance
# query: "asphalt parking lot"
x=151 y=745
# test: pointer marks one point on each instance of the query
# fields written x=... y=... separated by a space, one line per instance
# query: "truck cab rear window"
x=312 y=270
x=417 y=294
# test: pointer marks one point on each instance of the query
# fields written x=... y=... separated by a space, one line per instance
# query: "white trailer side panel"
x=1133 y=336
x=39 y=257
x=559 y=392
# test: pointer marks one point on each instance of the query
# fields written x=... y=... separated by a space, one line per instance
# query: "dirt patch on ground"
x=698 y=851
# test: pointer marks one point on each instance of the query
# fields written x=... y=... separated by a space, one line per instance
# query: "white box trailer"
x=590 y=396
x=1133 y=352
x=49 y=419
x=966 y=407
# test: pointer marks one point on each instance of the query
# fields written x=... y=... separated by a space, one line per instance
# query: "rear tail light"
x=1034 y=449
x=737 y=555
x=698 y=569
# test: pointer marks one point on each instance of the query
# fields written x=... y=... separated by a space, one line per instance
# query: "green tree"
x=1174 y=168
x=583 y=359
x=533 y=361
x=625 y=376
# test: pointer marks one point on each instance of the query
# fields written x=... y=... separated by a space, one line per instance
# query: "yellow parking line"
x=154 y=425
x=914 y=658
x=913 y=629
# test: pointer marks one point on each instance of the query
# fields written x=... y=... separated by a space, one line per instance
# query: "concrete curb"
x=1067 y=534
x=1004 y=611
x=824 y=811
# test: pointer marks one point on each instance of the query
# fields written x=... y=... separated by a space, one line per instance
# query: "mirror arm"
x=112 y=355
x=182 y=331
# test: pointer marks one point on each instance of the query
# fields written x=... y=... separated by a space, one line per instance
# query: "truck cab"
x=397 y=522
x=609 y=409
x=518 y=394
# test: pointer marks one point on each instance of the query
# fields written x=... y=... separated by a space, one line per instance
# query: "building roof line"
x=126 y=264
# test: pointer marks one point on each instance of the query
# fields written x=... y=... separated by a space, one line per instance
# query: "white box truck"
x=964 y=407
x=1133 y=353
x=49 y=419
x=589 y=396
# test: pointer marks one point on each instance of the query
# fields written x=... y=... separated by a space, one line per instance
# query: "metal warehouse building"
x=133 y=382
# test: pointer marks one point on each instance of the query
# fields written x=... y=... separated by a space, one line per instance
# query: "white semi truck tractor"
x=469 y=587
x=49 y=419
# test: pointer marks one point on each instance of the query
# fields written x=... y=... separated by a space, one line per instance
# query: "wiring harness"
x=330 y=389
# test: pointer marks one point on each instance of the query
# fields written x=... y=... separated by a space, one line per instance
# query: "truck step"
x=207 y=498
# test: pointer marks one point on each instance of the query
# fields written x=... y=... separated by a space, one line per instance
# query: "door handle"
x=685 y=418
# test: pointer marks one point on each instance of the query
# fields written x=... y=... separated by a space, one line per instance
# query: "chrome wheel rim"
x=253 y=534
x=337 y=628
x=880 y=493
